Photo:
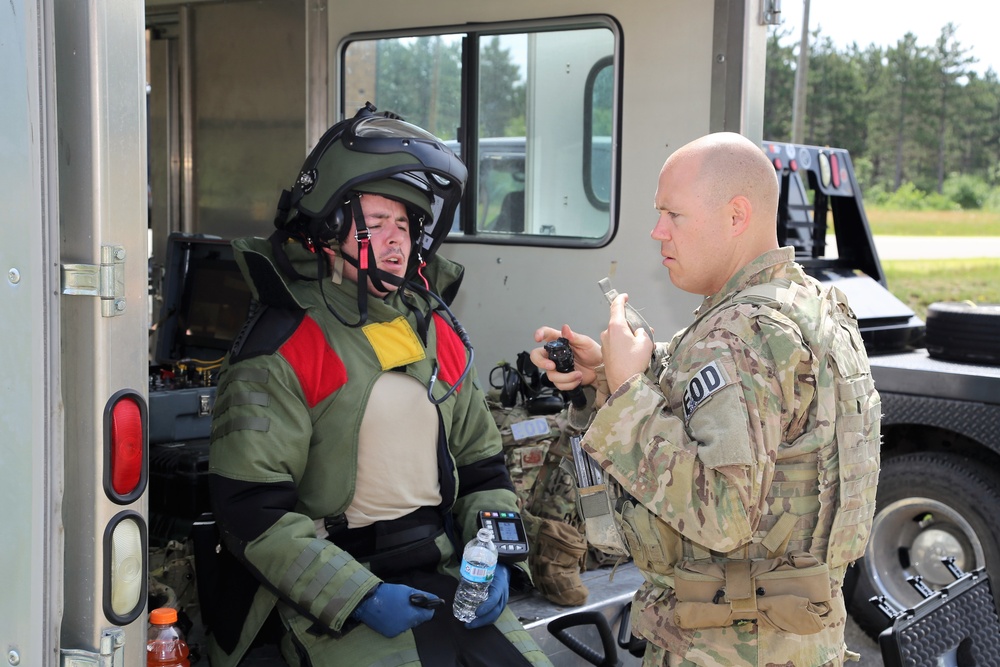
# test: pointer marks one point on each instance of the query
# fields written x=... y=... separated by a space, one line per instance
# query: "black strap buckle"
x=335 y=524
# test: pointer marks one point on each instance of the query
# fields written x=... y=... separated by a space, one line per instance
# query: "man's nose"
x=661 y=230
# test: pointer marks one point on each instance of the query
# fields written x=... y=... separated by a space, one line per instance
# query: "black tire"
x=930 y=505
x=963 y=331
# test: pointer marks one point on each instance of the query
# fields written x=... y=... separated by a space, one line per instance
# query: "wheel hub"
x=909 y=538
x=929 y=548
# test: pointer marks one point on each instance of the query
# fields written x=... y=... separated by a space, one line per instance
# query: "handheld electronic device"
x=421 y=600
x=632 y=316
x=561 y=355
x=507 y=532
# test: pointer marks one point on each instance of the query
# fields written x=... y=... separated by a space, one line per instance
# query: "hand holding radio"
x=561 y=355
x=586 y=358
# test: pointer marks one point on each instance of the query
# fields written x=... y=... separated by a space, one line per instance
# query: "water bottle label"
x=477 y=573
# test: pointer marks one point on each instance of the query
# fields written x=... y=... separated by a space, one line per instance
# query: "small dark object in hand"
x=419 y=600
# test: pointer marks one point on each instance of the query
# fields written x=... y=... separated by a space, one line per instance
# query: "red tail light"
x=125 y=447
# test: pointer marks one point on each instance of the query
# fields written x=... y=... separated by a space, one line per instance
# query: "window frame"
x=472 y=37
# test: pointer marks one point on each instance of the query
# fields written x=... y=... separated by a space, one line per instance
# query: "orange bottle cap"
x=163 y=616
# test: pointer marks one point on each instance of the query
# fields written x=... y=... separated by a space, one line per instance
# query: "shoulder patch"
x=710 y=379
x=319 y=370
x=451 y=354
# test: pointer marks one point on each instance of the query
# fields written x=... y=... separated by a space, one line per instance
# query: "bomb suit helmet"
x=377 y=153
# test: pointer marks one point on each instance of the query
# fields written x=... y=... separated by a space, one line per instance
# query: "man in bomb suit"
x=352 y=448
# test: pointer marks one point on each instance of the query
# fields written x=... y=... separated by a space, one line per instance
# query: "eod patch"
x=710 y=379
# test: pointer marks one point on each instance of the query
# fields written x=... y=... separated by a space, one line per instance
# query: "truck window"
x=597 y=127
x=538 y=122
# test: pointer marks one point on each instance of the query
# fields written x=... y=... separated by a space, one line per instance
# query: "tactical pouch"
x=645 y=542
x=557 y=561
x=790 y=593
x=596 y=505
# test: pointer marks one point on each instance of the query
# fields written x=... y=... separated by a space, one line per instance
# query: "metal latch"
x=106 y=281
x=204 y=405
x=112 y=652
x=770 y=12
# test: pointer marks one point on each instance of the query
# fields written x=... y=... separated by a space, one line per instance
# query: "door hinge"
x=106 y=281
x=112 y=652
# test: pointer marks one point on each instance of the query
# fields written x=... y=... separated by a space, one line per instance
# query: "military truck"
x=939 y=380
x=124 y=122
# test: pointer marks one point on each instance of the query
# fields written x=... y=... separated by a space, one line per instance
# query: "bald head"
x=727 y=164
x=718 y=202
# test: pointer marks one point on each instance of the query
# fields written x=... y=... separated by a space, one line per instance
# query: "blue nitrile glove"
x=496 y=599
x=389 y=611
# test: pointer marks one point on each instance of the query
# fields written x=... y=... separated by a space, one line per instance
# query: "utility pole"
x=801 y=80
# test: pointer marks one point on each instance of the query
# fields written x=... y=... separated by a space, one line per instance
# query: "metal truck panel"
x=31 y=422
x=919 y=374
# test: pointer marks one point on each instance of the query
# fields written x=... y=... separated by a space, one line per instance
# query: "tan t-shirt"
x=397 y=453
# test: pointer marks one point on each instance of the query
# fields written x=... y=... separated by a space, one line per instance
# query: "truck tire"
x=964 y=331
x=930 y=505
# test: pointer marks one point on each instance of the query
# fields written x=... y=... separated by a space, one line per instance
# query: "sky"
x=884 y=22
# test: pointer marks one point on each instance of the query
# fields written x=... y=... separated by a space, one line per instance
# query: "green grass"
x=934 y=223
x=919 y=283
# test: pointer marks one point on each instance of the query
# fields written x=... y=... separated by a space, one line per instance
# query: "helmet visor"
x=378 y=134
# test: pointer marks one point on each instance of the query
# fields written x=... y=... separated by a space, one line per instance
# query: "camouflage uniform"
x=534 y=448
x=736 y=424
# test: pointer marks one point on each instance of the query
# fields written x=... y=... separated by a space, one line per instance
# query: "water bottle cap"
x=163 y=616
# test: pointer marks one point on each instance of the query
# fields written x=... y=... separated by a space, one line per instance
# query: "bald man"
x=747 y=448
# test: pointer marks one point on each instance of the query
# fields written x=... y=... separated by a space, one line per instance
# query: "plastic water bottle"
x=165 y=645
x=479 y=562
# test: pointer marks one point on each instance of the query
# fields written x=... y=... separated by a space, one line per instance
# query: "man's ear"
x=740 y=212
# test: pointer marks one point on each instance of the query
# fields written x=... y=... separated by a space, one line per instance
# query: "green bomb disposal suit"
x=296 y=396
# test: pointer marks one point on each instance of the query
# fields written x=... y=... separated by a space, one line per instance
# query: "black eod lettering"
x=711 y=377
x=702 y=385
x=696 y=389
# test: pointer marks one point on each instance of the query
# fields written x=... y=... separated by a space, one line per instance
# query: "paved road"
x=937 y=247
x=932 y=247
x=858 y=641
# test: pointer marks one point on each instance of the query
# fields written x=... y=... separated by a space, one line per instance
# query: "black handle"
x=559 y=626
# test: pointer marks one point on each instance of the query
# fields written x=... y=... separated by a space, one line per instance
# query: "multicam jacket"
x=736 y=423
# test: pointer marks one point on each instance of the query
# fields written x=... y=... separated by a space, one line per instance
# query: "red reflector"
x=793 y=165
x=126 y=446
x=777 y=163
x=835 y=170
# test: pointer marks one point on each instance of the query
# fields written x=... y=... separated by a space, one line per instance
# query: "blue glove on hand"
x=388 y=611
x=496 y=599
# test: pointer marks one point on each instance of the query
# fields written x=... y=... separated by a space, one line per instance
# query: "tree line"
x=921 y=124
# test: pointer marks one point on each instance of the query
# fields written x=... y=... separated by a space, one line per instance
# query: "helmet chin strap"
x=365 y=262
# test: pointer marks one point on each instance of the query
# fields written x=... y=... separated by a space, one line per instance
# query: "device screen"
x=507 y=532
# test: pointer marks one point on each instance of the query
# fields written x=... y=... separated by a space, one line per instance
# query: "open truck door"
x=74 y=317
